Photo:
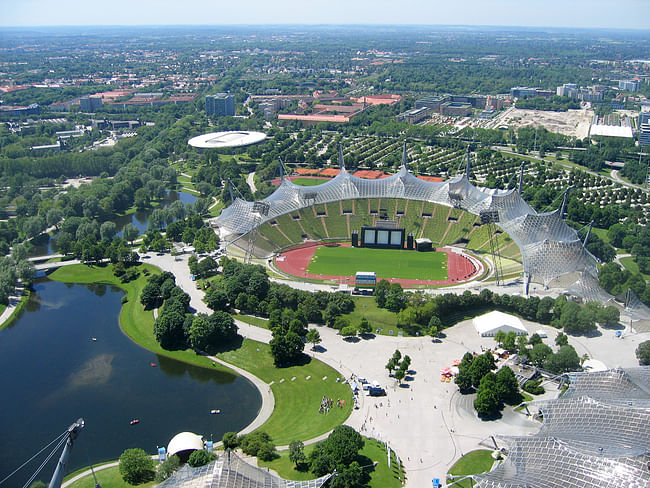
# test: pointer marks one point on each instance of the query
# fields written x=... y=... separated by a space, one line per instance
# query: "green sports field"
x=387 y=263
x=310 y=181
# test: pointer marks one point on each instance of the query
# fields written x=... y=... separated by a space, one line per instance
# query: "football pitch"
x=387 y=263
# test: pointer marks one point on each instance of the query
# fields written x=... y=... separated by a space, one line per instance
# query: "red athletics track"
x=460 y=267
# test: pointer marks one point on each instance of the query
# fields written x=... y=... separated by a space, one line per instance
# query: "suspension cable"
x=31 y=458
x=47 y=459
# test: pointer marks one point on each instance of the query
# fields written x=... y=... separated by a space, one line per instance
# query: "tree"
x=397 y=356
x=168 y=329
x=364 y=327
x=286 y=348
x=380 y=292
x=167 y=468
x=500 y=336
x=200 y=458
x=565 y=360
x=230 y=440
x=343 y=444
x=507 y=386
x=313 y=337
x=539 y=353
x=130 y=233
x=399 y=375
x=561 y=339
x=136 y=466
x=150 y=295
x=349 y=331
x=481 y=366
x=216 y=299
x=297 y=452
x=107 y=231
x=487 y=400
x=535 y=339
x=510 y=341
x=54 y=216
x=643 y=353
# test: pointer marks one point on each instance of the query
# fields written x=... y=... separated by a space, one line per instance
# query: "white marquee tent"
x=489 y=324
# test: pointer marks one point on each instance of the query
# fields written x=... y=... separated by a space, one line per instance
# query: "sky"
x=630 y=14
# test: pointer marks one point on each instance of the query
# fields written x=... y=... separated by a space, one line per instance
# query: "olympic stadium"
x=552 y=254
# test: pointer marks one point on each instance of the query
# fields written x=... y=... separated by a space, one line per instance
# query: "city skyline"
x=551 y=13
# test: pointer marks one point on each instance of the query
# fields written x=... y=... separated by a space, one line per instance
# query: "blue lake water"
x=53 y=373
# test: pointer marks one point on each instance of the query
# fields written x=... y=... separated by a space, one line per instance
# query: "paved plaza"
x=427 y=422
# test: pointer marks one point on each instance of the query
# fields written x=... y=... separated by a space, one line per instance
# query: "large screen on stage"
x=382 y=237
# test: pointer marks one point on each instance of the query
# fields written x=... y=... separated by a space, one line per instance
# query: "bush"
x=167 y=468
x=534 y=387
x=643 y=352
x=136 y=466
x=230 y=440
x=200 y=458
x=258 y=444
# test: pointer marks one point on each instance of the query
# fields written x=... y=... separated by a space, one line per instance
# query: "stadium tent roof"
x=235 y=138
x=597 y=435
x=489 y=324
x=550 y=249
x=183 y=442
x=230 y=471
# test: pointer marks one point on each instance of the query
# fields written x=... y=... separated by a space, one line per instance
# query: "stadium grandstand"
x=597 y=435
x=447 y=212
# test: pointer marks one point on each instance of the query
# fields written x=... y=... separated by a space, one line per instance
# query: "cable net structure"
x=550 y=248
x=597 y=435
x=231 y=471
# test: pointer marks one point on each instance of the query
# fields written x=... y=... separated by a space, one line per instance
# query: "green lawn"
x=107 y=478
x=310 y=181
x=471 y=463
x=379 y=318
x=256 y=321
x=296 y=402
x=19 y=307
x=629 y=264
x=387 y=263
x=381 y=476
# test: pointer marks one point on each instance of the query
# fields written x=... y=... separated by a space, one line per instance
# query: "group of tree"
x=399 y=365
x=340 y=453
x=175 y=328
x=247 y=288
x=257 y=443
x=193 y=230
x=14 y=267
x=492 y=390
x=425 y=314
x=541 y=355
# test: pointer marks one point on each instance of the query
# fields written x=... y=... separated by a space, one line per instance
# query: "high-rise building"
x=629 y=85
x=90 y=104
x=220 y=105
x=644 y=117
x=644 y=136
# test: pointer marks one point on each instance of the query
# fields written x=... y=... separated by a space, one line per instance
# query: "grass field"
x=471 y=463
x=108 y=478
x=387 y=263
x=381 y=476
x=309 y=181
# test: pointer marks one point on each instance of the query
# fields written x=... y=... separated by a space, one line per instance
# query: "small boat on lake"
x=94 y=339
x=215 y=411
x=153 y=365
x=134 y=421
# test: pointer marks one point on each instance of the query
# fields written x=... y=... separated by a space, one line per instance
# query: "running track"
x=460 y=267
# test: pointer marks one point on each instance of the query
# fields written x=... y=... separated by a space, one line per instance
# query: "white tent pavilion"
x=489 y=324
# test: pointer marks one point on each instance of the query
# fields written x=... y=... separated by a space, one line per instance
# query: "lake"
x=53 y=373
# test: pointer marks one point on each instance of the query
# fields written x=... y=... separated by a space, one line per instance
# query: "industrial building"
x=90 y=104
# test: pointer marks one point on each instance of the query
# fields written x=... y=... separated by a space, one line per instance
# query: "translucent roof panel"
x=596 y=427
x=231 y=471
x=630 y=386
x=546 y=462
